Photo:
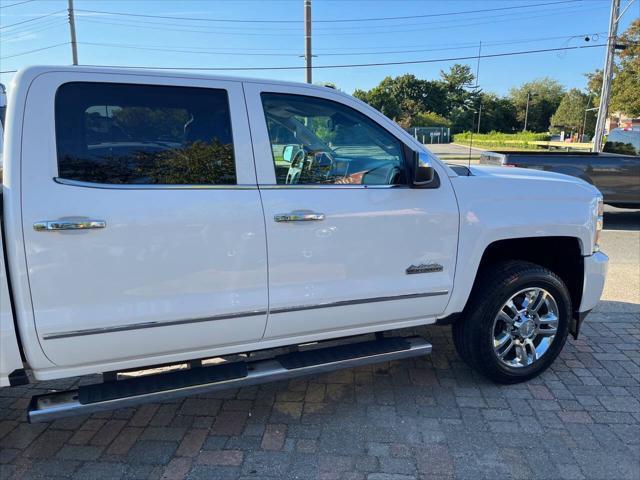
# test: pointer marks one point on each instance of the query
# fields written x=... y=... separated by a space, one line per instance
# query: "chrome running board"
x=166 y=386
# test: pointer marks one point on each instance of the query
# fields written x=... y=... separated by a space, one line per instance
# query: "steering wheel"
x=296 y=167
x=384 y=175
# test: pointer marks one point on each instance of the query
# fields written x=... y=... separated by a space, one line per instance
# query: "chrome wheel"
x=525 y=327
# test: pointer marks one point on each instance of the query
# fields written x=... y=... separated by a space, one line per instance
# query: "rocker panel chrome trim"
x=359 y=301
x=252 y=313
x=138 y=326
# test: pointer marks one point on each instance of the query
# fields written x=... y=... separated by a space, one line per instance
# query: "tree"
x=430 y=119
x=498 y=114
x=594 y=85
x=152 y=123
x=570 y=114
x=463 y=101
x=545 y=95
x=626 y=75
x=401 y=98
x=459 y=76
x=626 y=85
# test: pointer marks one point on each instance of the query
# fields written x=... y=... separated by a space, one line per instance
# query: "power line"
x=15 y=35
x=33 y=51
x=333 y=29
x=235 y=20
x=205 y=51
x=16 y=4
x=465 y=46
x=158 y=26
x=185 y=50
x=39 y=22
x=514 y=7
x=155 y=26
x=355 y=65
x=32 y=19
x=474 y=44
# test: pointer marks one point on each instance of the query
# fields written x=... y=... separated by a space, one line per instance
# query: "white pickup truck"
x=236 y=231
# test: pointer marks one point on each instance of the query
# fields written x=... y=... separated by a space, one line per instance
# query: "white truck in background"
x=237 y=231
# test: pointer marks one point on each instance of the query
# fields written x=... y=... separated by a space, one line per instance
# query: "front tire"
x=515 y=322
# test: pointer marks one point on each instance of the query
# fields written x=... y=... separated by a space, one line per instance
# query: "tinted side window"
x=318 y=141
x=143 y=134
x=626 y=142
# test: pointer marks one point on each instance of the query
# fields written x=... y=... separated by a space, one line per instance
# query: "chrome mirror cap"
x=423 y=172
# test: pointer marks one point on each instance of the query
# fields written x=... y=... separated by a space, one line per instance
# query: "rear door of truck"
x=142 y=222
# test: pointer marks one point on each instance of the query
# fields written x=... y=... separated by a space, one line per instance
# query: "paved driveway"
x=425 y=418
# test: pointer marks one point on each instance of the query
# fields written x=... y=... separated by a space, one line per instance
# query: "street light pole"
x=477 y=86
x=526 y=113
x=584 y=123
x=307 y=39
x=607 y=76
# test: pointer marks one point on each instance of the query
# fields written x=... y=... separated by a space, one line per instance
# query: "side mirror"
x=287 y=153
x=423 y=172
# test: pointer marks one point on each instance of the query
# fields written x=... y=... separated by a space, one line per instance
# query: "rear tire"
x=515 y=323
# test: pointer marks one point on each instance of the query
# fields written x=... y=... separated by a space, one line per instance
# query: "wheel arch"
x=561 y=255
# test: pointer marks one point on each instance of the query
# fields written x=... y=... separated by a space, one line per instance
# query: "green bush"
x=497 y=137
x=502 y=140
x=429 y=119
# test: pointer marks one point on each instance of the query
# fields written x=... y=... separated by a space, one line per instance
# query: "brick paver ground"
x=428 y=417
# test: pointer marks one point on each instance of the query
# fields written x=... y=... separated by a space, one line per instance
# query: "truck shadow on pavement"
x=426 y=417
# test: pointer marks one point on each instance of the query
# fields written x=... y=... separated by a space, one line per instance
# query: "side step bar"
x=166 y=386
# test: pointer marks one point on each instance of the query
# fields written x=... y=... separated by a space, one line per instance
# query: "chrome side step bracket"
x=51 y=406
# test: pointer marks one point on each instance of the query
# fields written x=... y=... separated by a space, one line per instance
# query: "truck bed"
x=616 y=176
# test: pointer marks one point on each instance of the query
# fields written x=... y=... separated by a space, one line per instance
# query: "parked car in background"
x=236 y=231
x=615 y=171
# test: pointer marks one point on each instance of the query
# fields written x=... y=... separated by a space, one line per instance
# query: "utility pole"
x=72 y=29
x=477 y=86
x=607 y=76
x=307 y=38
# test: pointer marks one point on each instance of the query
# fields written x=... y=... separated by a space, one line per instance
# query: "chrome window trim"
x=252 y=313
x=135 y=186
x=266 y=186
x=272 y=186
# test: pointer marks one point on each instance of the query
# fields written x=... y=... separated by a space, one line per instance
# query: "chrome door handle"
x=299 y=216
x=57 y=225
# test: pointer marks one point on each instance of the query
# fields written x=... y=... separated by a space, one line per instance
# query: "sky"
x=270 y=33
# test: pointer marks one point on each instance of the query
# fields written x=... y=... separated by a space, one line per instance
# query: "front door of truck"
x=142 y=221
x=350 y=243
